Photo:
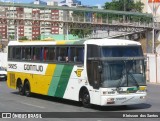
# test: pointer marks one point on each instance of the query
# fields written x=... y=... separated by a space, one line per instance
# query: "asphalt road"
x=11 y=101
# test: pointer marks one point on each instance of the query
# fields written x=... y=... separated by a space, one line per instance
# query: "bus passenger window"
x=59 y=58
x=75 y=58
x=51 y=54
x=37 y=52
x=10 y=53
x=72 y=54
x=17 y=53
x=79 y=54
x=62 y=53
x=26 y=53
x=45 y=53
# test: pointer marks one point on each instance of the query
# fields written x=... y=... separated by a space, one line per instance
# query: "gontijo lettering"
x=31 y=67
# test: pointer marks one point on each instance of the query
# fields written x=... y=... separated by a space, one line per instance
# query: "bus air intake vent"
x=12 y=79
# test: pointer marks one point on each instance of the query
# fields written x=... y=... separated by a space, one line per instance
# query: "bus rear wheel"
x=20 y=88
x=86 y=99
x=27 y=90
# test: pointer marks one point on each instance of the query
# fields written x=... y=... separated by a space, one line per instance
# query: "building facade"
x=153 y=7
x=37 y=28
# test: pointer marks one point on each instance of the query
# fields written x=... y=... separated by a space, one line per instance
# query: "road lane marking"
x=32 y=105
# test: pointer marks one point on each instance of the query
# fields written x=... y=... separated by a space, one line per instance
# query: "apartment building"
x=3 y=28
x=31 y=32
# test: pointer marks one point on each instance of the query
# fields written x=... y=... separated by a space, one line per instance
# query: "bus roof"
x=111 y=42
x=62 y=42
x=100 y=42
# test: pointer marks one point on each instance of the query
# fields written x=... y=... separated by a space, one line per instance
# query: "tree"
x=12 y=37
x=81 y=33
x=138 y=6
x=37 y=37
x=23 y=38
x=124 y=5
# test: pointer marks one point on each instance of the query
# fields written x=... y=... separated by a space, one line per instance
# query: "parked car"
x=3 y=74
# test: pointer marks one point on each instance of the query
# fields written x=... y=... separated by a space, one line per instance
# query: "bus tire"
x=27 y=89
x=20 y=87
x=86 y=99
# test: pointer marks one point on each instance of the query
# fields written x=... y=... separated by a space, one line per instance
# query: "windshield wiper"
x=133 y=79
x=126 y=73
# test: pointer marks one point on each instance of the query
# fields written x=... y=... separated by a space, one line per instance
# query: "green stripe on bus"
x=63 y=81
x=55 y=80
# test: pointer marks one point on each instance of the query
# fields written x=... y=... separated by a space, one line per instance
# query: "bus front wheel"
x=86 y=99
x=27 y=89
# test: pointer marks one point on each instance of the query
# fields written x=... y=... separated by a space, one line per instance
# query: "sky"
x=84 y=2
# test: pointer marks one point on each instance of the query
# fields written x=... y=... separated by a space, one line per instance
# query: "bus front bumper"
x=125 y=99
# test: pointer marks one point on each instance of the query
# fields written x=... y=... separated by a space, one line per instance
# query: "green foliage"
x=37 y=38
x=138 y=6
x=11 y=37
x=124 y=5
x=81 y=33
x=23 y=38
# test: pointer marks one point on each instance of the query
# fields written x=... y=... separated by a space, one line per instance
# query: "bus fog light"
x=110 y=101
x=142 y=97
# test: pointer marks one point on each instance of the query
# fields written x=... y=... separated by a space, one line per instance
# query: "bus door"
x=95 y=74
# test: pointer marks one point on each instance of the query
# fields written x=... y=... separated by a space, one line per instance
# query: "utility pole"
x=124 y=9
x=153 y=31
x=124 y=5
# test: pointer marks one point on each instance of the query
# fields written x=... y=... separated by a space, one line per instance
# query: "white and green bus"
x=96 y=71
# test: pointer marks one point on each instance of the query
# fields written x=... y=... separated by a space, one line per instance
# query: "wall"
x=153 y=68
x=3 y=59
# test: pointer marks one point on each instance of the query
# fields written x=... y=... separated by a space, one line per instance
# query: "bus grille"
x=12 y=79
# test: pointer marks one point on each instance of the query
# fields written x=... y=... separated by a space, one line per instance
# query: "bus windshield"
x=124 y=68
x=123 y=73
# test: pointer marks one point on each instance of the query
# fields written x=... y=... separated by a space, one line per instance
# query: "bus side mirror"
x=100 y=69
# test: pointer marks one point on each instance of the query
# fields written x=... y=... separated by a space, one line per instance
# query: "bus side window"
x=17 y=53
x=72 y=54
x=51 y=54
x=79 y=54
x=10 y=53
x=62 y=53
x=26 y=53
x=36 y=54
x=58 y=57
x=45 y=56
